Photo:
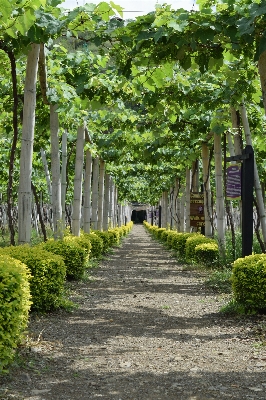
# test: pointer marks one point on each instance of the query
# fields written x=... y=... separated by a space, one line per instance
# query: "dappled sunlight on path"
x=145 y=329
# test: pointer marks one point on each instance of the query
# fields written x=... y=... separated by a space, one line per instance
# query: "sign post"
x=247 y=183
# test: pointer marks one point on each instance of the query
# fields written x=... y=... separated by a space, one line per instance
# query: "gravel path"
x=145 y=329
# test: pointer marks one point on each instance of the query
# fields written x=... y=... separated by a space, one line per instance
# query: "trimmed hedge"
x=207 y=253
x=249 y=282
x=15 y=305
x=194 y=241
x=96 y=244
x=75 y=257
x=48 y=275
x=106 y=238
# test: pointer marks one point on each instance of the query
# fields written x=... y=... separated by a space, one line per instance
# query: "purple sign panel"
x=233 y=182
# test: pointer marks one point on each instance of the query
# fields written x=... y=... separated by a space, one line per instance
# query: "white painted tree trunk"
x=220 y=210
x=64 y=178
x=24 y=191
x=106 y=201
x=164 y=209
x=111 y=203
x=257 y=184
x=115 y=207
x=182 y=208
x=188 y=185
x=195 y=177
x=47 y=175
x=56 y=176
x=207 y=190
x=235 y=127
x=95 y=192
x=119 y=216
x=76 y=217
x=87 y=192
x=101 y=196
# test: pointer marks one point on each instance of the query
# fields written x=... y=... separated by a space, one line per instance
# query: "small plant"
x=220 y=281
x=233 y=308
x=207 y=253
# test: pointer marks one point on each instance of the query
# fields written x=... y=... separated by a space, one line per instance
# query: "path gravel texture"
x=146 y=329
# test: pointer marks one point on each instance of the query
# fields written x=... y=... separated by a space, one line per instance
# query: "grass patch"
x=220 y=281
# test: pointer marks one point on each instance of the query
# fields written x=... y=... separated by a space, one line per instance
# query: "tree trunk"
x=262 y=73
x=259 y=196
x=47 y=175
x=64 y=178
x=219 y=193
x=87 y=192
x=55 y=167
x=76 y=217
x=207 y=190
x=111 y=203
x=34 y=191
x=106 y=201
x=101 y=196
x=24 y=192
x=95 y=192
x=188 y=185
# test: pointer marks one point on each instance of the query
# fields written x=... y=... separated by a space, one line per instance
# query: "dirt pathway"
x=145 y=329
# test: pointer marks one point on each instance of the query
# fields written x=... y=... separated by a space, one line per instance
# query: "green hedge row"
x=34 y=277
x=190 y=247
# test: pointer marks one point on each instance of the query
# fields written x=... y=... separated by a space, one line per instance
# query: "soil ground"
x=146 y=329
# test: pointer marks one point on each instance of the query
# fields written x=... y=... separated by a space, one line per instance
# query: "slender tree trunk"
x=39 y=211
x=55 y=167
x=76 y=217
x=115 y=207
x=207 y=190
x=257 y=185
x=64 y=178
x=111 y=203
x=262 y=73
x=47 y=175
x=106 y=201
x=188 y=185
x=219 y=193
x=13 y=147
x=95 y=192
x=24 y=192
x=87 y=192
x=101 y=195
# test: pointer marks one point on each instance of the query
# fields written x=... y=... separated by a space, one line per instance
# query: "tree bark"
x=207 y=190
x=64 y=178
x=87 y=192
x=47 y=175
x=101 y=195
x=219 y=193
x=76 y=217
x=262 y=73
x=24 y=192
x=95 y=192
x=56 y=177
x=106 y=201
x=188 y=185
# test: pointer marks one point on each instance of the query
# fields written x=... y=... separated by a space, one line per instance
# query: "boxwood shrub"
x=75 y=257
x=249 y=282
x=207 y=253
x=171 y=239
x=48 y=275
x=15 y=305
x=115 y=236
x=192 y=242
x=179 y=243
x=96 y=244
x=106 y=238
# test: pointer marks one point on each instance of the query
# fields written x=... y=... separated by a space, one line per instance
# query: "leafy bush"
x=48 y=275
x=194 y=241
x=106 y=238
x=96 y=244
x=170 y=238
x=207 y=253
x=15 y=305
x=164 y=235
x=249 y=282
x=158 y=232
x=114 y=236
x=75 y=257
x=179 y=243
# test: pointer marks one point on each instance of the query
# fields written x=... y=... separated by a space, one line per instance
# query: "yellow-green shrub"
x=207 y=253
x=106 y=238
x=179 y=243
x=158 y=232
x=96 y=244
x=115 y=236
x=164 y=235
x=171 y=238
x=48 y=275
x=249 y=282
x=15 y=305
x=75 y=257
x=192 y=242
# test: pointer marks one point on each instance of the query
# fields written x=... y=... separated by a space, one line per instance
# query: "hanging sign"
x=233 y=182
x=197 y=209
